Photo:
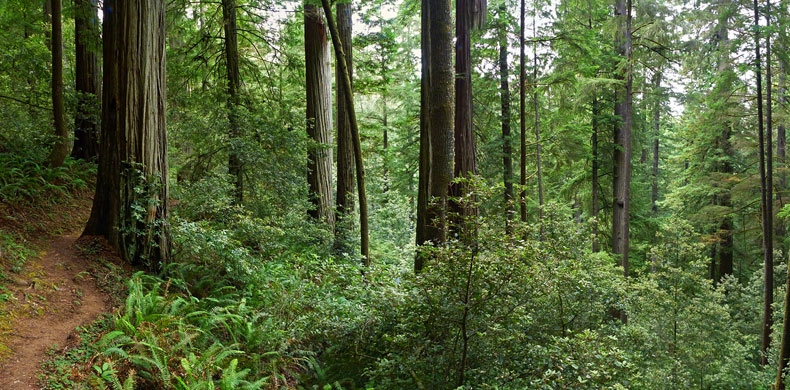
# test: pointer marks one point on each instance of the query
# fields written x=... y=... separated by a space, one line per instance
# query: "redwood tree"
x=622 y=139
x=504 y=87
x=345 y=148
x=424 y=185
x=319 y=114
x=130 y=204
x=86 y=40
x=233 y=102
x=61 y=148
x=441 y=118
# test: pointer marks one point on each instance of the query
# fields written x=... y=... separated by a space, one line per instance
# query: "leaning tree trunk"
x=622 y=154
x=232 y=67
x=424 y=186
x=319 y=115
x=86 y=123
x=507 y=160
x=441 y=117
x=61 y=148
x=130 y=205
x=351 y=114
x=345 y=147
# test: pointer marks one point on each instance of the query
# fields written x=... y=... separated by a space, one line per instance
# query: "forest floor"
x=59 y=286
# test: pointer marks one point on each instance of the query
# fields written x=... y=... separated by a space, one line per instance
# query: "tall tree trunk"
x=48 y=23
x=537 y=112
x=656 y=137
x=766 y=225
x=441 y=117
x=781 y=146
x=86 y=39
x=319 y=115
x=595 y=184
x=622 y=154
x=724 y=87
x=465 y=159
x=423 y=192
x=61 y=148
x=133 y=152
x=522 y=80
x=352 y=118
x=345 y=148
x=232 y=66
x=507 y=160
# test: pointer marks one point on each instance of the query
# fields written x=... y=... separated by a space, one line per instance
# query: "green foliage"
x=23 y=179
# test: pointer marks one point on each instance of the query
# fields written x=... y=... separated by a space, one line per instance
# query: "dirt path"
x=55 y=294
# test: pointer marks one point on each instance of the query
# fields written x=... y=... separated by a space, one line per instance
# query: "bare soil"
x=54 y=294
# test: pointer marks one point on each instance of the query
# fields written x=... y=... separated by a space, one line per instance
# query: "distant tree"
x=622 y=139
x=61 y=148
x=504 y=87
x=88 y=77
x=233 y=103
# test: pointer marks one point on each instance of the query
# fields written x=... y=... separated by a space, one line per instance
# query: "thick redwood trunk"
x=345 y=147
x=232 y=68
x=424 y=186
x=86 y=38
x=464 y=142
x=622 y=155
x=61 y=148
x=441 y=117
x=130 y=205
x=319 y=114
x=765 y=199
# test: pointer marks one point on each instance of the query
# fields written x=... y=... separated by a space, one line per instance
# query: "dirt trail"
x=56 y=293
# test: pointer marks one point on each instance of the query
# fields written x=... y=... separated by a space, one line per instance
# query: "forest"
x=394 y=194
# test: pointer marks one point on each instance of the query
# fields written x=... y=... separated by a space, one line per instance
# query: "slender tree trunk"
x=595 y=185
x=441 y=117
x=423 y=192
x=656 y=137
x=61 y=148
x=352 y=118
x=133 y=152
x=781 y=146
x=234 y=102
x=622 y=154
x=507 y=160
x=86 y=39
x=766 y=225
x=465 y=159
x=537 y=112
x=48 y=23
x=345 y=147
x=319 y=115
x=725 y=90
x=523 y=115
